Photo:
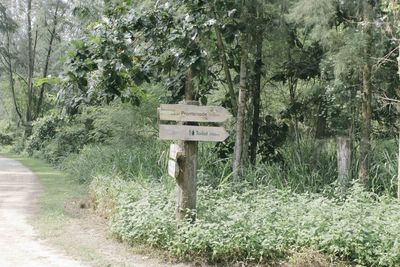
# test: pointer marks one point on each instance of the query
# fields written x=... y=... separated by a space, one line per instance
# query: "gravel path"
x=19 y=245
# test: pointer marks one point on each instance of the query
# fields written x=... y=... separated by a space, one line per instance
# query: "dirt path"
x=19 y=245
x=83 y=235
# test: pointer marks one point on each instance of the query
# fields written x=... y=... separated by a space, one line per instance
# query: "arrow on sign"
x=193 y=133
x=185 y=113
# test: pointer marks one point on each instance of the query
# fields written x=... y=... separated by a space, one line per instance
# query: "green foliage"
x=37 y=82
x=7 y=133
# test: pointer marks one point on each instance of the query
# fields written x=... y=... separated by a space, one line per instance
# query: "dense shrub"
x=56 y=137
x=6 y=139
x=255 y=225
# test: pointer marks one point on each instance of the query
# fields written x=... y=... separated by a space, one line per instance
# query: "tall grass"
x=306 y=167
x=383 y=171
x=145 y=161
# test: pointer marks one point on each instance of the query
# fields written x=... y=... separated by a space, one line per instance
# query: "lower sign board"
x=173 y=168
x=192 y=133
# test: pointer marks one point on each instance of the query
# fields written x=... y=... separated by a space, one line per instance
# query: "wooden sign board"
x=185 y=113
x=193 y=133
x=175 y=151
x=173 y=168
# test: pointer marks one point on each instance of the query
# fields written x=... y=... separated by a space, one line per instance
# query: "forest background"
x=311 y=164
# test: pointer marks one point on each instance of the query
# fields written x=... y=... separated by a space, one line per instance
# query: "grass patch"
x=58 y=189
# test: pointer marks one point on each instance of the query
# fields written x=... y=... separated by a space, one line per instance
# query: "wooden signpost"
x=181 y=113
x=182 y=164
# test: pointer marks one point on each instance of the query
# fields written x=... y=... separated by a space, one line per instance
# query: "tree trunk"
x=256 y=101
x=366 y=126
x=343 y=162
x=28 y=118
x=187 y=178
x=47 y=61
x=8 y=61
x=241 y=116
x=366 y=106
x=228 y=77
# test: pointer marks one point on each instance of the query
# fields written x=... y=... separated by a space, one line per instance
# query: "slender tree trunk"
x=28 y=118
x=320 y=124
x=241 y=116
x=352 y=127
x=366 y=126
x=366 y=100
x=47 y=61
x=292 y=93
x=228 y=77
x=256 y=101
x=8 y=61
x=187 y=179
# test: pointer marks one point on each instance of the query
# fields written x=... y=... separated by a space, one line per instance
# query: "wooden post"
x=343 y=161
x=398 y=170
x=186 y=181
x=398 y=109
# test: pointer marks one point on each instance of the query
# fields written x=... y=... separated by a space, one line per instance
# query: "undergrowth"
x=254 y=225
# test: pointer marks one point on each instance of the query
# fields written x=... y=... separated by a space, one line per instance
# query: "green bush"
x=55 y=137
x=255 y=225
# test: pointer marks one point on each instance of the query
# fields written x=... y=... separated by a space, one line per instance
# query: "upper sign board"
x=191 y=113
